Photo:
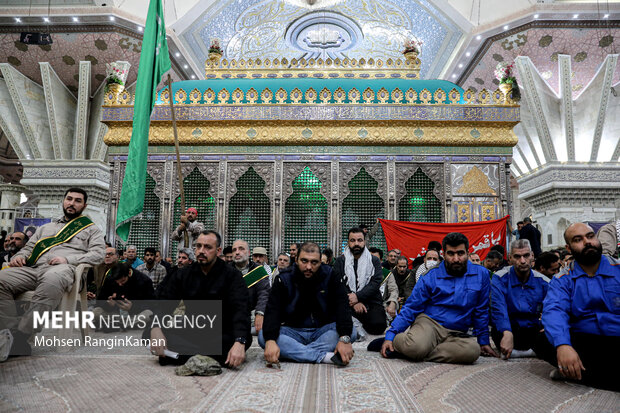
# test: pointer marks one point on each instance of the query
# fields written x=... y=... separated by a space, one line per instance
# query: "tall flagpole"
x=176 y=148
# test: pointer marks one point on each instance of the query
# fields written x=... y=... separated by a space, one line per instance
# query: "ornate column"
x=9 y=201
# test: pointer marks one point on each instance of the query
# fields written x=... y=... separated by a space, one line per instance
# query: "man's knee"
x=470 y=352
x=414 y=349
x=54 y=283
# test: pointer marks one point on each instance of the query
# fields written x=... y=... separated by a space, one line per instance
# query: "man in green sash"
x=256 y=279
x=46 y=265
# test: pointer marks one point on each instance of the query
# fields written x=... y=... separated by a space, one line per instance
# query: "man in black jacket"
x=307 y=317
x=259 y=291
x=362 y=275
x=125 y=289
x=530 y=233
x=207 y=278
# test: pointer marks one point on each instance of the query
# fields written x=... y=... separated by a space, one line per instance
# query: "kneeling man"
x=308 y=318
x=433 y=324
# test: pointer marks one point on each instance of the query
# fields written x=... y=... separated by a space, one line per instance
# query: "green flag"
x=154 y=62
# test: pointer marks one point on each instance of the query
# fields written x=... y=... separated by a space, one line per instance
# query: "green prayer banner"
x=255 y=276
x=67 y=232
x=154 y=62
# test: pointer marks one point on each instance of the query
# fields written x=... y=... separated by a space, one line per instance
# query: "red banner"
x=412 y=238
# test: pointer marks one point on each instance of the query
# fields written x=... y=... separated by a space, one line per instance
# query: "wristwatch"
x=345 y=339
x=241 y=340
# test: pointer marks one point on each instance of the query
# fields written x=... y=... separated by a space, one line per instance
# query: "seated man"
x=284 y=261
x=308 y=317
x=185 y=257
x=388 y=289
x=548 y=264
x=123 y=289
x=517 y=294
x=362 y=275
x=131 y=255
x=475 y=258
x=433 y=324
x=581 y=313
x=431 y=259
x=99 y=272
x=151 y=267
x=493 y=261
x=207 y=278
x=47 y=264
x=390 y=262
x=258 y=289
x=405 y=279
x=15 y=242
x=227 y=253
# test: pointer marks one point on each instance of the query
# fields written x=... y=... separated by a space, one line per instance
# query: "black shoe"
x=375 y=345
x=20 y=345
x=169 y=361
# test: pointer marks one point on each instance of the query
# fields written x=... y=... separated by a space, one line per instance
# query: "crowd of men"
x=447 y=306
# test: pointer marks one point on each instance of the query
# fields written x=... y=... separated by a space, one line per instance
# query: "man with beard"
x=155 y=271
x=405 y=279
x=16 y=241
x=308 y=317
x=444 y=304
x=207 y=278
x=258 y=290
x=189 y=224
x=581 y=313
x=517 y=294
x=185 y=257
x=362 y=275
x=47 y=264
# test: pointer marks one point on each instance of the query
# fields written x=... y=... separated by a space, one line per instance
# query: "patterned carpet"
x=65 y=383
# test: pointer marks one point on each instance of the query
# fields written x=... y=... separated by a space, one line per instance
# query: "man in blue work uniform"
x=581 y=313
x=433 y=324
x=517 y=294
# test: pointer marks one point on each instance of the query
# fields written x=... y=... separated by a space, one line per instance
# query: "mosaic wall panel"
x=306 y=210
x=363 y=202
x=144 y=230
x=249 y=212
x=478 y=179
x=419 y=203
